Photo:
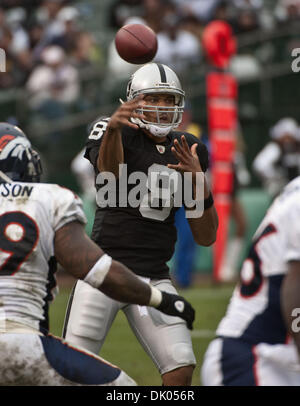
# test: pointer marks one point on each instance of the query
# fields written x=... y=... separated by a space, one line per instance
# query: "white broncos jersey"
x=30 y=214
x=254 y=313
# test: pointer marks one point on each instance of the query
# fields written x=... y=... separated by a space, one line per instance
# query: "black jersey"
x=142 y=239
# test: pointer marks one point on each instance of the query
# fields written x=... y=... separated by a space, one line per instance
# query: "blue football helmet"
x=18 y=161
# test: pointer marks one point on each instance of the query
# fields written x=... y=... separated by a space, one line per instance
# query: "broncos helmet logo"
x=18 y=160
x=5 y=140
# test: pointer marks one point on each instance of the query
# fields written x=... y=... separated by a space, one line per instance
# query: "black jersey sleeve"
x=203 y=156
x=96 y=131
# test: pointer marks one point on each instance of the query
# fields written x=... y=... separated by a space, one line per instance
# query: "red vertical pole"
x=220 y=45
x=222 y=126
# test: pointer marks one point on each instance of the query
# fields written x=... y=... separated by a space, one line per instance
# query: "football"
x=136 y=43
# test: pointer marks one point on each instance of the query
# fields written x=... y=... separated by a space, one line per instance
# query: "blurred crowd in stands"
x=29 y=27
x=179 y=23
x=47 y=47
x=243 y=15
x=50 y=44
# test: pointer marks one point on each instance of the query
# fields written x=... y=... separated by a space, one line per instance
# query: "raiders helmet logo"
x=160 y=148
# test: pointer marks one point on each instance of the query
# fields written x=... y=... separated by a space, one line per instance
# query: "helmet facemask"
x=34 y=167
x=173 y=87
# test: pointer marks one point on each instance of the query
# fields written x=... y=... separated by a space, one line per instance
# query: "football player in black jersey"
x=139 y=138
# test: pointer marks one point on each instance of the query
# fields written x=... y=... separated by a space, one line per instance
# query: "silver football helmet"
x=157 y=78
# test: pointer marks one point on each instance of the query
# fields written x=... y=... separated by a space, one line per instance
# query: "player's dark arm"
x=290 y=300
x=111 y=152
x=77 y=254
x=84 y=259
x=204 y=228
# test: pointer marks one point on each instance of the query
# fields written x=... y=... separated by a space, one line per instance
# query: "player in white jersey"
x=258 y=342
x=40 y=225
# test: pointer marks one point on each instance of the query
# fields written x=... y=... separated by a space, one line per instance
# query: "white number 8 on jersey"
x=162 y=183
x=98 y=129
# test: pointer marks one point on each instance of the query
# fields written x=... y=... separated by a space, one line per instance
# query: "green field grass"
x=122 y=348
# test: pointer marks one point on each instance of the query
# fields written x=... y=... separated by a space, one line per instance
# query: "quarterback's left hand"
x=175 y=305
x=187 y=157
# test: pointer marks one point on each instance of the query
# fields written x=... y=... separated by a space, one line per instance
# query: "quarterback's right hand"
x=125 y=112
x=175 y=305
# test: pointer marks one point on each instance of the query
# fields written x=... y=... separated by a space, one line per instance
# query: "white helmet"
x=285 y=125
x=157 y=78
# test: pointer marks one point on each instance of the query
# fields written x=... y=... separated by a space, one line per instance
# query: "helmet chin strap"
x=159 y=132
x=156 y=130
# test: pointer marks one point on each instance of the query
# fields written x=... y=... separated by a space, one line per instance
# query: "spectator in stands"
x=15 y=18
x=287 y=11
x=245 y=21
x=47 y=13
x=83 y=50
x=68 y=17
x=192 y=25
x=54 y=85
x=279 y=161
x=28 y=4
x=121 y=10
x=203 y=10
x=245 y=15
x=36 y=33
x=19 y=46
x=6 y=78
x=13 y=73
x=151 y=10
x=248 y=4
x=222 y=12
x=177 y=48
x=59 y=24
